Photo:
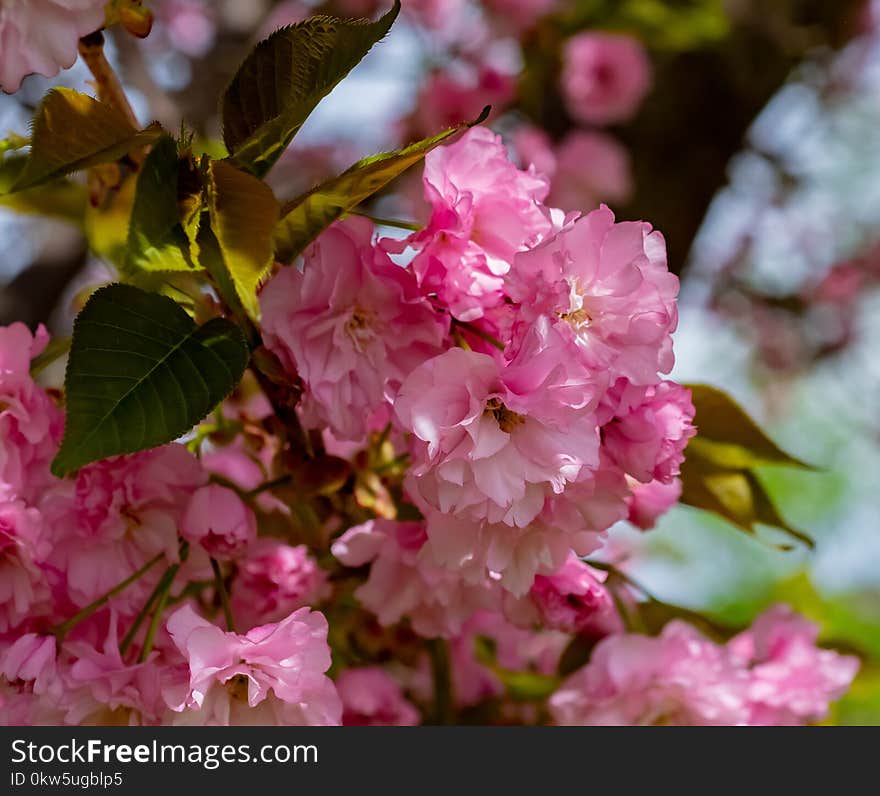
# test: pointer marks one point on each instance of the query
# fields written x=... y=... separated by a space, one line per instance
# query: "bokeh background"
x=756 y=152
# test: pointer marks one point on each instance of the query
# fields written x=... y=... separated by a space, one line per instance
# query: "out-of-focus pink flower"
x=585 y=168
x=41 y=36
x=608 y=289
x=219 y=520
x=272 y=580
x=573 y=598
x=650 y=428
x=370 y=697
x=679 y=677
x=273 y=674
x=648 y=502
x=791 y=680
x=605 y=77
x=403 y=583
x=30 y=423
x=23 y=546
x=189 y=24
x=289 y=12
x=484 y=211
x=352 y=325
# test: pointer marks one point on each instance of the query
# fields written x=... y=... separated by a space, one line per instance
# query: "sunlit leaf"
x=156 y=237
x=305 y=217
x=285 y=77
x=244 y=213
x=73 y=131
x=141 y=373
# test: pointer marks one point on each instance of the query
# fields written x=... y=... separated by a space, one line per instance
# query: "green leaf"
x=736 y=440
x=73 y=131
x=305 y=217
x=65 y=200
x=734 y=494
x=244 y=213
x=285 y=77
x=141 y=373
x=156 y=238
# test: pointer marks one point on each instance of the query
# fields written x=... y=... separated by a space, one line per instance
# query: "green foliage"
x=244 y=213
x=141 y=373
x=285 y=77
x=718 y=474
x=156 y=238
x=72 y=132
x=304 y=218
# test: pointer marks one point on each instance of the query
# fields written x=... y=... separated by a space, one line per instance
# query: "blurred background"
x=751 y=141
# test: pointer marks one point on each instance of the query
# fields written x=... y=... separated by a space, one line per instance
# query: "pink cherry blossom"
x=520 y=15
x=648 y=502
x=117 y=515
x=791 y=680
x=32 y=658
x=371 y=697
x=585 y=168
x=273 y=674
x=352 y=325
x=403 y=583
x=219 y=520
x=679 y=677
x=573 y=599
x=650 y=429
x=272 y=580
x=23 y=548
x=605 y=77
x=607 y=288
x=42 y=35
x=484 y=211
x=30 y=423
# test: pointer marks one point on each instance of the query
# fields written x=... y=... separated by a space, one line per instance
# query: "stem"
x=269 y=485
x=224 y=595
x=467 y=327
x=110 y=90
x=142 y=614
x=388 y=222
x=442 y=678
x=163 y=589
x=61 y=630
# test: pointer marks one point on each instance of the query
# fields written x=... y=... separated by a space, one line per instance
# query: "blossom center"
x=507 y=420
x=238 y=687
x=359 y=327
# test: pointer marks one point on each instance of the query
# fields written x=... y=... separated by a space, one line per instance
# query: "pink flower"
x=585 y=168
x=189 y=24
x=521 y=15
x=219 y=520
x=608 y=290
x=371 y=698
x=512 y=648
x=573 y=599
x=274 y=674
x=679 y=677
x=650 y=429
x=791 y=680
x=31 y=658
x=117 y=515
x=100 y=688
x=352 y=325
x=30 y=423
x=493 y=443
x=484 y=211
x=650 y=501
x=273 y=579
x=42 y=35
x=23 y=547
x=604 y=77
x=447 y=99
x=402 y=583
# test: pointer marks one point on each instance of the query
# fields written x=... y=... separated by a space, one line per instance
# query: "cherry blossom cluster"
x=505 y=364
